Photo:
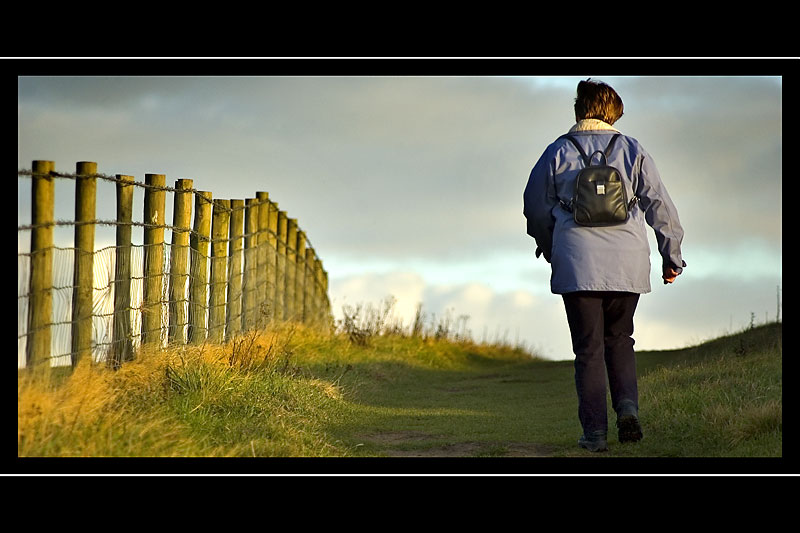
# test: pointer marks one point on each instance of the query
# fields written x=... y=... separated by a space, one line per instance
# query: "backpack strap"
x=610 y=145
x=587 y=161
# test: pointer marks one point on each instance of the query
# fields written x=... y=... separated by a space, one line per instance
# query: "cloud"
x=412 y=186
x=407 y=288
x=437 y=163
x=472 y=308
x=717 y=143
x=683 y=314
x=433 y=162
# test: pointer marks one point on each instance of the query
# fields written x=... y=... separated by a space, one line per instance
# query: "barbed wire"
x=26 y=173
x=175 y=229
x=316 y=297
x=310 y=295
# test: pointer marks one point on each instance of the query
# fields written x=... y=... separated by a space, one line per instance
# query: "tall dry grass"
x=149 y=407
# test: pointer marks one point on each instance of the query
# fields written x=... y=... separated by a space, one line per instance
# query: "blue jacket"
x=615 y=258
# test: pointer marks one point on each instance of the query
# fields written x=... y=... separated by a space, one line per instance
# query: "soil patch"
x=393 y=439
x=461 y=449
x=398 y=437
x=528 y=449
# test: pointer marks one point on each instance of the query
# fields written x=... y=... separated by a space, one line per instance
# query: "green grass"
x=720 y=399
x=299 y=393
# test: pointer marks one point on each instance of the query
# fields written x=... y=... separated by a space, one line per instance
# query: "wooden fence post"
x=179 y=261
x=262 y=275
x=327 y=319
x=268 y=267
x=308 y=295
x=280 y=266
x=291 y=267
x=272 y=266
x=249 y=308
x=153 y=286
x=300 y=276
x=83 y=271
x=198 y=279
x=122 y=334
x=40 y=299
x=219 y=257
x=233 y=317
x=318 y=294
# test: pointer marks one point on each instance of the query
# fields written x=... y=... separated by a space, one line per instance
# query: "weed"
x=361 y=323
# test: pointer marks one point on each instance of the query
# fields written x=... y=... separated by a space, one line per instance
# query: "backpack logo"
x=599 y=197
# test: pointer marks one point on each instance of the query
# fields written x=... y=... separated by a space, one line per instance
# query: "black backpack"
x=599 y=198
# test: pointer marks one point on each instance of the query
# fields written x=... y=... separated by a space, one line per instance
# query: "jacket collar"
x=592 y=124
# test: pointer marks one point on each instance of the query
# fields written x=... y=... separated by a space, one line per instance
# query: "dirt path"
x=392 y=442
x=496 y=411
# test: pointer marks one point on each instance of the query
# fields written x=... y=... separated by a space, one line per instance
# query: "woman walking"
x=600 y=270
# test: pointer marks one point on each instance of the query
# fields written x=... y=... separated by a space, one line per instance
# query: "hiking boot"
x=595 y=441
x=629 y=429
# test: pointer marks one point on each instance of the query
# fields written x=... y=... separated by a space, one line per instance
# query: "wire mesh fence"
x=221 y=268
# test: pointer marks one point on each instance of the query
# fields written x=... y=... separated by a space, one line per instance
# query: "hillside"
x=297 y=393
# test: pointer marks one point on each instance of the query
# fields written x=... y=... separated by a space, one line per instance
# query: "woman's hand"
x=669 y=274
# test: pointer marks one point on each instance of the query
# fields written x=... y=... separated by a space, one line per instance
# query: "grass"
x=722 y=398
x=243 y=399
x=378 y=392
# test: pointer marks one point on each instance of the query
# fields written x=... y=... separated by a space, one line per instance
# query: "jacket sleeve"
x=538 y=201
x=660 y=213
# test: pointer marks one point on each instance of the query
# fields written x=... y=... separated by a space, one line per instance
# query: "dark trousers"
x=601 y=325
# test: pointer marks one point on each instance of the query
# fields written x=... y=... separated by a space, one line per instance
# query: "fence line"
x=232 y=266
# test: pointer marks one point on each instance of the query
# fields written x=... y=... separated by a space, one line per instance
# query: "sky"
x=411 y=187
